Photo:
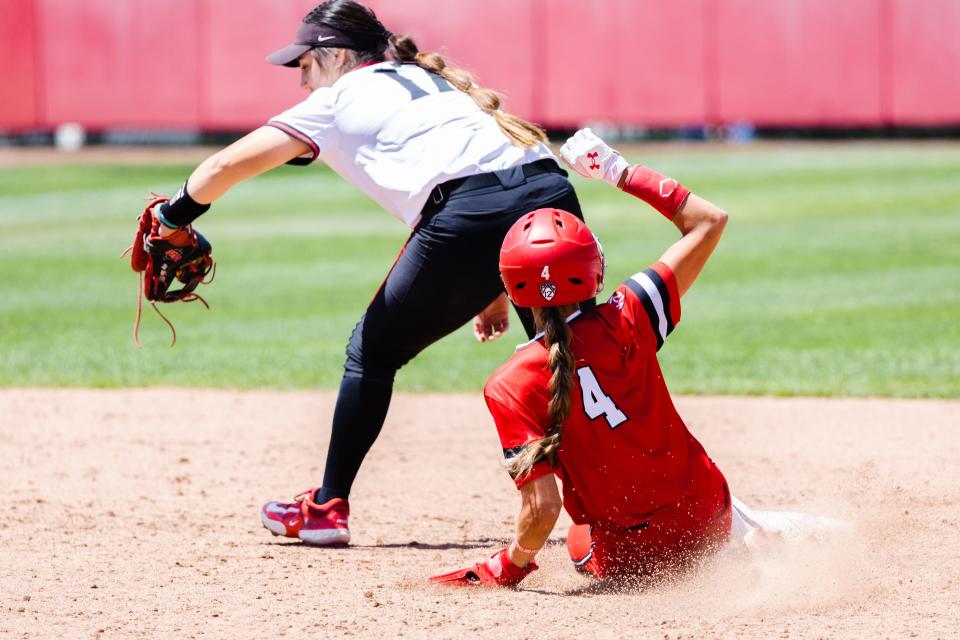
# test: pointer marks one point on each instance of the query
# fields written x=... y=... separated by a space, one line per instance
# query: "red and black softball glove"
x=497 y=571
x=183 y=256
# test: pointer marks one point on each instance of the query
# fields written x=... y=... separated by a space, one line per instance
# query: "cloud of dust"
x=815 y=572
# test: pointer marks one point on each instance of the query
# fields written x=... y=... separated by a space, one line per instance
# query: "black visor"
x=311 y=35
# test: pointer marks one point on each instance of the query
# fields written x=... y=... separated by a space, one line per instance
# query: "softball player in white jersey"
x=434 y=150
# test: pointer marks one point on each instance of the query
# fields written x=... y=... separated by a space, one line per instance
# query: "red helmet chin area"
x=549 y=258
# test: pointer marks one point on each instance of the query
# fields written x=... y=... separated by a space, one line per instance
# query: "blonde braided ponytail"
x=521 y=133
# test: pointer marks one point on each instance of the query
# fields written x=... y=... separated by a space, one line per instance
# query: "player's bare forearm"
x=701 y=222
x=538 y=515
x=251 y=155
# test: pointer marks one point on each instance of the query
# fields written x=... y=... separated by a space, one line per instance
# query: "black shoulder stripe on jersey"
x=664 y=295
x=648 y=308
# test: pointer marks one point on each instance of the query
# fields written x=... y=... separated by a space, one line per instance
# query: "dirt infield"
x=135 y=513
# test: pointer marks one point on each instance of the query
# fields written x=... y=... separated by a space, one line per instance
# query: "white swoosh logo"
x=322 y=38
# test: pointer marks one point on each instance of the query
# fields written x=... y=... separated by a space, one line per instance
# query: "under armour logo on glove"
x=591 y=157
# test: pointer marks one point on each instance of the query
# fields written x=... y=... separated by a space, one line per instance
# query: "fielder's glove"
x=183 y=256
x=497 y=571
x=591 y=157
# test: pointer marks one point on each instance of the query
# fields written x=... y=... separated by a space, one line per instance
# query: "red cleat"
x=323 y=525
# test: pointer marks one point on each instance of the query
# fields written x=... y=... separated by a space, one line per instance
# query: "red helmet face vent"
x=554 y=251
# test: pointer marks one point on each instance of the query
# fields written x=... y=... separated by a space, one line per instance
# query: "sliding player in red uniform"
x=585 y=400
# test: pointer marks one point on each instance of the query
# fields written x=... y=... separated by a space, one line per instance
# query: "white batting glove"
x=591 y=157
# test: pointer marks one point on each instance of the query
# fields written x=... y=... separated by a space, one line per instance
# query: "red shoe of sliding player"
x=323 y=525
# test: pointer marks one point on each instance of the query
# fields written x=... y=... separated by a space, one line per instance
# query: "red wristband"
x=664 y=194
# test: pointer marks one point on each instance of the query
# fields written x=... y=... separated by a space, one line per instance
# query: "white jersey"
x=397 y=131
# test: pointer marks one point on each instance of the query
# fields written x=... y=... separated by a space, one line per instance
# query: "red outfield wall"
x=199 y=63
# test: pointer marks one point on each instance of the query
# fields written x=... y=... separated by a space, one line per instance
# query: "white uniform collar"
x=572 y=316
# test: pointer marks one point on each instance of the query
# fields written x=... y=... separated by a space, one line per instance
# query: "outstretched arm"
x=700 y=222
x=540 y=508
x=251 y=155
x=257 y=152
x=507 y=567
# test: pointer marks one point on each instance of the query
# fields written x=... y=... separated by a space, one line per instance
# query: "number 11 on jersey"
x=595 y=402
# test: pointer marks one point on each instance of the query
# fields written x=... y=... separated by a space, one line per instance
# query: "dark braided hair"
x=556 y=337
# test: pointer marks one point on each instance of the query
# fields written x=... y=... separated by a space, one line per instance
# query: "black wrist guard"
x=181 y=210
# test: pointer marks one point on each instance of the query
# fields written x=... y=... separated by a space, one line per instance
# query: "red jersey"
x=625 y=453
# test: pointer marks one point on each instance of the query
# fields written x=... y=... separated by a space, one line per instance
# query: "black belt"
x=443 y=191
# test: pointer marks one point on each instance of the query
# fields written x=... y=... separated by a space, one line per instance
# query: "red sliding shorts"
x=670 y=539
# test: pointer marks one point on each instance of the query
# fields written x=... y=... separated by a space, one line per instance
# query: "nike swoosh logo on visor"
x=322 y=38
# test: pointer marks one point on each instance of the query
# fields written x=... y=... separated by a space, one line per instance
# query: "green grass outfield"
x=839 y=274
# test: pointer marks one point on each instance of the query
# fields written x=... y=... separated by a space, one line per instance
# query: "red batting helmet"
x=549 y=258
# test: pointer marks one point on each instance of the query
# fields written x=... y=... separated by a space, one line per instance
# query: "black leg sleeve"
x=361 y=409
x=446 y=274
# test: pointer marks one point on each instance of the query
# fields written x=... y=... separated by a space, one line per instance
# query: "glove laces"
x=188 y=297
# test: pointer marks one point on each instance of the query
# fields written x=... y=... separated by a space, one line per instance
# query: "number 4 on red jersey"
x=596 y=403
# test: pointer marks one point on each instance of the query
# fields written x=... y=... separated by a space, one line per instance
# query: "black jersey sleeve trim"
x=652 y=292
x=295 y=133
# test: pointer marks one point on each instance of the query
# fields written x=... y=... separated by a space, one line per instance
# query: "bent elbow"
x=719 y=216
x=718 y=220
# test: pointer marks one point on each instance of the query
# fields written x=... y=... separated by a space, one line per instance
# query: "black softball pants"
x=446 y=274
